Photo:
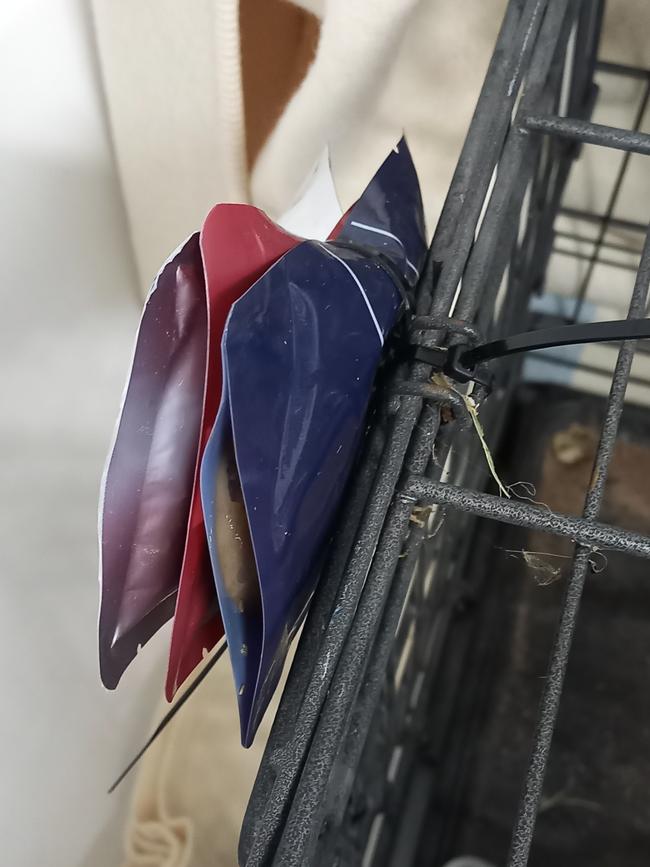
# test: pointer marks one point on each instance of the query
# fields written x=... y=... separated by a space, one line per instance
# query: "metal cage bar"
x=550 y=702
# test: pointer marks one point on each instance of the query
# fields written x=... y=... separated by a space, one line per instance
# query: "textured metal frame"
x=339 y=760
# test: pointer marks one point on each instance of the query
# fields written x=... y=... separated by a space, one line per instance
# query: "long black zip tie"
x=460 y=362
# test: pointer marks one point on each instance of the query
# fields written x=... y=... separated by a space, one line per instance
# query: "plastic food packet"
x=152 y=534
x=147 y=486
x=300 y=350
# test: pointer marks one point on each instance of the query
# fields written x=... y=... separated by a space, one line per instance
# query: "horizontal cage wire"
x=366 y=737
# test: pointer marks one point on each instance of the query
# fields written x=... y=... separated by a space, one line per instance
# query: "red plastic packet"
x=238 y=244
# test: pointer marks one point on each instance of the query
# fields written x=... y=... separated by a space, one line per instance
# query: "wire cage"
x=373 y=728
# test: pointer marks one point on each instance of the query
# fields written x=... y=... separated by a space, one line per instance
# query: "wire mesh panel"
x=381 y=672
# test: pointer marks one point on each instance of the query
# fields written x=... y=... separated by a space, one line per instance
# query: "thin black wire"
x=610 y=245
x=593 y=260
x=604 y=372
x=169 y=716
x=611 y=204
x=622 y=69
x=593 y=217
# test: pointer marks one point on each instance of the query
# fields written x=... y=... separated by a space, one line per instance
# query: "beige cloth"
x=194 y=781
x=193 y=98
x=172 y=81
x=174 y=76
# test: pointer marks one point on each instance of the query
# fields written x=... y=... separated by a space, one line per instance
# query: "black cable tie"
x=463 y=363
x=450 y=362
x=562 y=335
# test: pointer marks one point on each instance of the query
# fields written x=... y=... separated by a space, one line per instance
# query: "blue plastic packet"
x=300 y=352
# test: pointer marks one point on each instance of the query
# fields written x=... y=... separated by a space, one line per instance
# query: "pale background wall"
x=69 y=310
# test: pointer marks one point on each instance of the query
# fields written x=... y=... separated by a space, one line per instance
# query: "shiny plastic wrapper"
x=300 y=352
x=154 y=559
x=147 y=486
x=238 y=244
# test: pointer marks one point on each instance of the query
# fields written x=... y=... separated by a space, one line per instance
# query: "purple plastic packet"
x=147 y=484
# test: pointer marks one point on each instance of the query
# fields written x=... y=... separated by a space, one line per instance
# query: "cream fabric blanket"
x=193 y=784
